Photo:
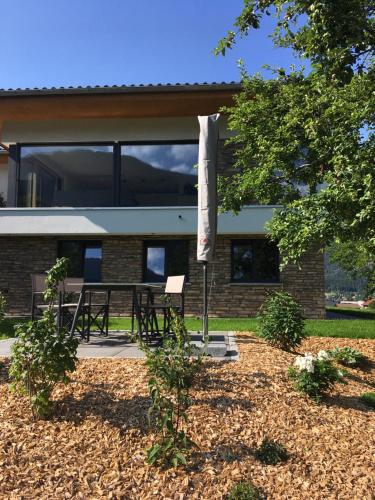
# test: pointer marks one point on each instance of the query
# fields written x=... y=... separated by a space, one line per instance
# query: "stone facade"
x=122 y=261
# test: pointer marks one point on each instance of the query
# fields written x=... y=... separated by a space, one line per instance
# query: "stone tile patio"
x=222 y=346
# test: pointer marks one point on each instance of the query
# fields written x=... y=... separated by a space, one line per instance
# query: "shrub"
x=371 y=304
x=347 y=356
x=2 y=307
x=171 y=370
x=271 y=452
x=369 y=399
x=281 y=321
x=244 y=491
x=42 y=354
x=314 y=376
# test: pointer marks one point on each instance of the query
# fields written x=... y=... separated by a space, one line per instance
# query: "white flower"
x=323 y=355
x=305 y=362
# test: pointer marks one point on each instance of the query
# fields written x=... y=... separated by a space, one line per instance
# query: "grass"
x=346 y=328
x=359 y=313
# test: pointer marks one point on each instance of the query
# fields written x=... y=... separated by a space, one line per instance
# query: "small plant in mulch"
x=347 y=356
x=43 y=355
x=171 y=370
x=314 y=376
x=281 y=321
x=369 y=399
x=271 y=453
x=245 y=491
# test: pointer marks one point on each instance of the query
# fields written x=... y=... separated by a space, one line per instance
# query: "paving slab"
x=221 y=346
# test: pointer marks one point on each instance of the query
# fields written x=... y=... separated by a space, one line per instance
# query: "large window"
x=66 y=176
x=165 y=258
x=85 y=259
x=159 y=175
x=255 y=261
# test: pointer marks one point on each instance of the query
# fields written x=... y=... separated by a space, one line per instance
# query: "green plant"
x=43 y=354
x=369 y=399
x=2 y=307
x=271 y=452
x=171 y=370
x=244 y=491
x=347 y=356
x=314 y=375
x=371 y=304
x=281 y=321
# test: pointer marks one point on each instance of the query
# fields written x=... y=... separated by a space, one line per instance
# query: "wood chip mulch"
x=94 y=446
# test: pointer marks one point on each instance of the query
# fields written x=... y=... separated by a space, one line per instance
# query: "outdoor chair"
x=94 y=313
x=38 y=287
x=171 y=302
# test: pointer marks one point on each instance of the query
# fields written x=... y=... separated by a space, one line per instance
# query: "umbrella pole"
x=205 y=304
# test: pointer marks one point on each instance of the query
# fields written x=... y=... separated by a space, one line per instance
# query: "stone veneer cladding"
x=122 y=261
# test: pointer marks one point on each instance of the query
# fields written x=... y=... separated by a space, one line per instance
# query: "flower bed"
x=95 y=447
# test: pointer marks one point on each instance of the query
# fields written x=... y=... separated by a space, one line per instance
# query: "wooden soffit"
x=129 y=105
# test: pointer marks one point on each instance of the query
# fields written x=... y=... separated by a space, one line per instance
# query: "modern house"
x=106 y=176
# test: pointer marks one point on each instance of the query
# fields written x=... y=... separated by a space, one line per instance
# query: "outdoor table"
x=108 y=288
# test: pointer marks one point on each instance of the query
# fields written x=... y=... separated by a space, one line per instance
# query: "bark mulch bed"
x=94 y=447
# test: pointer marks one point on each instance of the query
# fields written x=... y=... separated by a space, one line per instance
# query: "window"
x=66 y=176
x=255 y=261
x=85 y=259
x=165 y=258
x=159 y=175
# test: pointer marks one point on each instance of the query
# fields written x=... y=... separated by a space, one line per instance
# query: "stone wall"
x=122 y=261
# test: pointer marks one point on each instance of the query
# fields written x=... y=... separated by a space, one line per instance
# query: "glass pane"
x=72 y=250
x=66 y=176
x=155 y=264
x=178 y=258
x=93 y=263
x=159 y=175
x=266 y=262
x=242 y=262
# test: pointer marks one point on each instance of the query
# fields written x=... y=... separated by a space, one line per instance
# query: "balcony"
x=126 y=221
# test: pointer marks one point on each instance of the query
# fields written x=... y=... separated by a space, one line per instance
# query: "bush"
x=271 y=453
x=42 y=355
x=171 y=370
x=244 y=491
x=281 y=321
x=369 y=399
x=2 y=307
x=371 y=304
x=347 y=356
x=314 y=376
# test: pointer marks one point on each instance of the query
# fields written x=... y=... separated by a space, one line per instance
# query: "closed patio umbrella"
x=207 y=200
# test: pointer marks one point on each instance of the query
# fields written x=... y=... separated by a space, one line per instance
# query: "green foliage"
x=306 y=140
x=371 y=304
x=271 y=452
x=369 y=399
x=244 y=491
x=281 y=321
x=2 y=307
x=43 y=355
x=347 y=356
x=171 y=370
x=316 y=379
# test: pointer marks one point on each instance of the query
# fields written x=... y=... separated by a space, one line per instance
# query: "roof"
x=123 y=89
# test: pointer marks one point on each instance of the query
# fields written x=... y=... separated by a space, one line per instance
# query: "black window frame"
x=84 y=244
x=163 y=243
x=249 y=242
x=116 y=169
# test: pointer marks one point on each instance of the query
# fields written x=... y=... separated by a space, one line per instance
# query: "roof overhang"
x=115 y=102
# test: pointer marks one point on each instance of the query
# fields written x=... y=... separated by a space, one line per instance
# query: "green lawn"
x=349 y=328
x=359 y=313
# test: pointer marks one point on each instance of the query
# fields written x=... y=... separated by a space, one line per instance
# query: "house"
x=106 y=176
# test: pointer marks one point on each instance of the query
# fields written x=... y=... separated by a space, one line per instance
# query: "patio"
x=222 y=346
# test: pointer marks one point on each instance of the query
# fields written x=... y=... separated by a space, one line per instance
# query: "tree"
x=307 y=138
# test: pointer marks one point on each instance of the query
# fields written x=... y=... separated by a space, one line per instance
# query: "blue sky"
x=97 y=42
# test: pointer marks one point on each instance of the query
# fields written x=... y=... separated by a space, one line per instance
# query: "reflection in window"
x=165 y=258
x=159 y=175
x=66 y=176
x=255 y=261
x=85 y=259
